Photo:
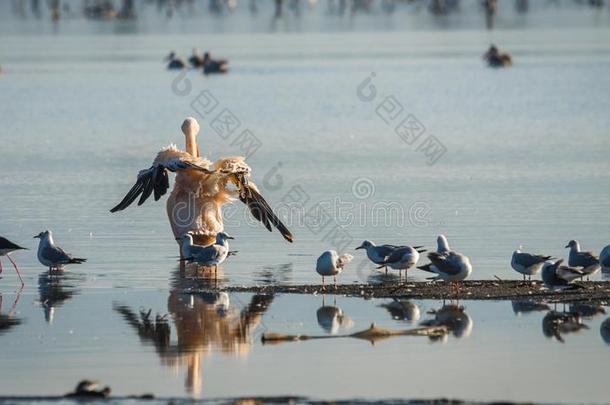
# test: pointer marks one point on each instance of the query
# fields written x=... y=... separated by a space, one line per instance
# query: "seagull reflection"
x=527 y=306
x=204 y=321
x=604 y=330
x=403 y=310
x=556 y=324
x=7 y=320
x=53 y=292
x=587 y=311
x=453 y=317
x=332 y=319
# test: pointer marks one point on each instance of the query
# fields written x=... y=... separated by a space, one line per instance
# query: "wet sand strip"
x=471 y=290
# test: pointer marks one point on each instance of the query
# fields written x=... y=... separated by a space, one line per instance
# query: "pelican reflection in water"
x=204 y=322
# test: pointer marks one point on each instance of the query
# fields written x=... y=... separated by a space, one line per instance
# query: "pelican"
x=6 y=248
x=200 y=190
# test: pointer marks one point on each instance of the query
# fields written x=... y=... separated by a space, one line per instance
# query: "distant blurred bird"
x=88 y=389
x=555 y=276
x=586 y=260
x=527 y=264
x=174 y=62
x=201 y=189
x=496 y=59
x=330 y=264
x=51 y=256
x=214 y=65
x=604 y=258
x=6 y=248
x=196 y=60
x=447 y=264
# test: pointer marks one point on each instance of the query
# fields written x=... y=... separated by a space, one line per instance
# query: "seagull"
x=604 y=258
x=527 y=263
x=6 y=248
x=53 y=256
x=200 y=190
x=174 y=62
x=402 y=258
x=214 y=65
x=330 y=264
x=379 y=254
x=447 y=264
x=587 y=260
x=554 y=275
x=211 y=255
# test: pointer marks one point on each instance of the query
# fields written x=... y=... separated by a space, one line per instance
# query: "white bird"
x=379 y=254
x=587 y=260
x=527 y=264
x=211 y=255
x=52 y=256
x=6 y=248
x=200 y=190
x=330 y=264
x=554 y=275
x=604 y=258
x=402 y=258
x=447 y=264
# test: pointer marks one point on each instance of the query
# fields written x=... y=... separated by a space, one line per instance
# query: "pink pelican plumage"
x=200 y=190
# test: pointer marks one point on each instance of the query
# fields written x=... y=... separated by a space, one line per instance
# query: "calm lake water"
x=525 y=164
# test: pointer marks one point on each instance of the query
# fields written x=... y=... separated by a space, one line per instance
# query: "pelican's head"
x=366 y=245
x=43 y=235
x=190 y=129
x=442 y=244
x=573 y=244
x=222 y=236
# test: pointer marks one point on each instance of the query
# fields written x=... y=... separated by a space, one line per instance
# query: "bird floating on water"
x=200 y=190
x=330 y=263
x=52 y=256
x=527 y=264
x=211 y=255
x=496 y=59
x=174 y=62
x=586 y=260
x=556 y=276
x=214 y=65
x=196 y=60
x=447 y=264
x=6 y=248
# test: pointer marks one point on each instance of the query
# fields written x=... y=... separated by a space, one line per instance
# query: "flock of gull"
x=205 y=187
x=197 y=61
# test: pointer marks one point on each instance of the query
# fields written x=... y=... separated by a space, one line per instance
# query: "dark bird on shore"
x=88 y=389
x=496 y=59
x=174 y=62
x=214 y=65
x=554 y=275
x=196 y=60
x=6 y=248
x=52 y=256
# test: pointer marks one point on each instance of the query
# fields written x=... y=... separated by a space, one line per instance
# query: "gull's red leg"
x=17 y=270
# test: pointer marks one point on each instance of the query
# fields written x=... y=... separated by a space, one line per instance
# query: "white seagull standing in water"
x=330 y=264
x=201 y=189
x=447 y=264
x=6 y=248
x=51 y=256
x=211 y=255
x=527 y=263
x=402 y=258
x=587 y=260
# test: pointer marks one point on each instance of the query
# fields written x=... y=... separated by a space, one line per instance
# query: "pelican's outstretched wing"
x=235 y=170
x=155 y=179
